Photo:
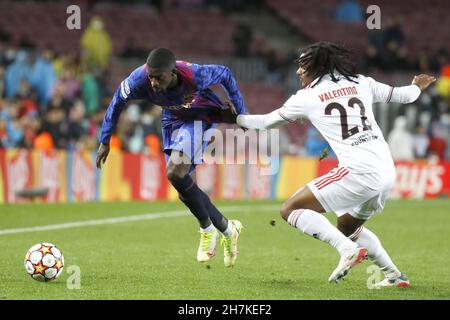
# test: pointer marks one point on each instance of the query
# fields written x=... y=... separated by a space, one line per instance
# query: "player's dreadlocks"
x=161 y=58
x=324 y=58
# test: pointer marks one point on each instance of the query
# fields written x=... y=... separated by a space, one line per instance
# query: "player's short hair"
x=161 y=58
x=322 y=58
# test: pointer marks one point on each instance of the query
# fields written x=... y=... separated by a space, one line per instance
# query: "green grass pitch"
x=155 y=258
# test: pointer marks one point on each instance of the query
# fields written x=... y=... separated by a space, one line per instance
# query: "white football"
x=44 y=262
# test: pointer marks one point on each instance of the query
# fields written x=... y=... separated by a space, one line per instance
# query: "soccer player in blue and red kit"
x=190 y=108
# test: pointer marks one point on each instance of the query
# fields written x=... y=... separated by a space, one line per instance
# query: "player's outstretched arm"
x=209 y=75
x=261 y=121
x=129 y=89
x=423 y=81
x=406 y=94
x=109 y=123
x=102 y=154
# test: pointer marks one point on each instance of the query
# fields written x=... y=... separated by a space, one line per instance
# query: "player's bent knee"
x=173 y=174
x=346 y=229
x=285 y=210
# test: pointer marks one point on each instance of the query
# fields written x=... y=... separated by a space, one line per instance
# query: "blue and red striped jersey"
x=191 y=100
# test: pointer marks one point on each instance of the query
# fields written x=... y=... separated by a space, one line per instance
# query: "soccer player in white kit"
x=339 y=104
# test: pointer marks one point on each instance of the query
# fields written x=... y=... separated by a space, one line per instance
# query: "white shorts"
x=359 y=194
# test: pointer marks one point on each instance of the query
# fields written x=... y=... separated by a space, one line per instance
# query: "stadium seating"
x=319 y=22
x=43 y=24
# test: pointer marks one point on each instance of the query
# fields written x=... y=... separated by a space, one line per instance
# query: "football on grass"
x=44 y=262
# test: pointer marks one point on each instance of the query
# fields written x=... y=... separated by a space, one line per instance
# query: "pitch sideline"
x=140 y=217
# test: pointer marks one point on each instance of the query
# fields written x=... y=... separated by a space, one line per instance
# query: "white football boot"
x=399 y=282
x=207 y=248
x=348 y=262
x=229 y=243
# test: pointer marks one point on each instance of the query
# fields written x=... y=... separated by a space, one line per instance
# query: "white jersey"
x=342 y=112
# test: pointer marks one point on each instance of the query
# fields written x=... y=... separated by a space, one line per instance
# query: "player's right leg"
x=185 y=143
x=303 y=211
x=179 y=167
x=192 y=196
x=351 y=225
x=376 y=253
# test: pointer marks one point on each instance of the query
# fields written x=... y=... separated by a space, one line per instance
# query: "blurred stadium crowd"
x=55 y=83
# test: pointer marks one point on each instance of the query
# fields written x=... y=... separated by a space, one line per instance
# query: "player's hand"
x=229 y=115
x=102 y=154
x=423 y=81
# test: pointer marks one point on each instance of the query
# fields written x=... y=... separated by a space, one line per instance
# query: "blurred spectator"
x=3 y=133
x=349 y=11
x=2 y=80
x=41 y=75
x=442 y=59
x=96 y=45
x=133 y=133
x=151 y=122
x=158 y=4
x=375 y=47
x=76 y=125
x=184 y=3
x=443 y=82
x=15 y=73
x=386 y=48
x=11 y=123
x=15 y=133
x=393 y=33
x=421 y=141
x=70 y=85
x=276 y=66
x=43 y=142
x=394 y=54
x=115 y=144
x=401 y=141
x=90 y=92
x=58 y=100
x=315 y=144
x=134 y=50
x=55 y=124
x=31 y=126
x=439 y=134
x=423 y=61
x=230 y=6
x=152 y=144
x=242 y=40
x=37 y=70
x=438 y=147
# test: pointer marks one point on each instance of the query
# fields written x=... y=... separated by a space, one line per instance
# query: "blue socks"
x=199 y=203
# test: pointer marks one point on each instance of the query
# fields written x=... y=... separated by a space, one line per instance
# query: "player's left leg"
x=351 y=225
x=378 y=255
x=230 y=229
x=192 y=196
x=303 y=211
x=188 y=144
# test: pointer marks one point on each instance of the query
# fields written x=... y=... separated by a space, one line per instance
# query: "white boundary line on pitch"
x=140 y=217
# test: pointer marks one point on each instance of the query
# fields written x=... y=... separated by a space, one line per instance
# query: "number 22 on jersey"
x=346 y=132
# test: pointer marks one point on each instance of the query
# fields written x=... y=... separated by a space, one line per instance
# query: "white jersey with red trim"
x=342 y=112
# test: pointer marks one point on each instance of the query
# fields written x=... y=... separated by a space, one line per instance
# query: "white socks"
x=210 y=228
x=367 y=239
x=228 y=230
x=317 y=226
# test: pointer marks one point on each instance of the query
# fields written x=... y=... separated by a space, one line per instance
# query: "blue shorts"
x=191 y=138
